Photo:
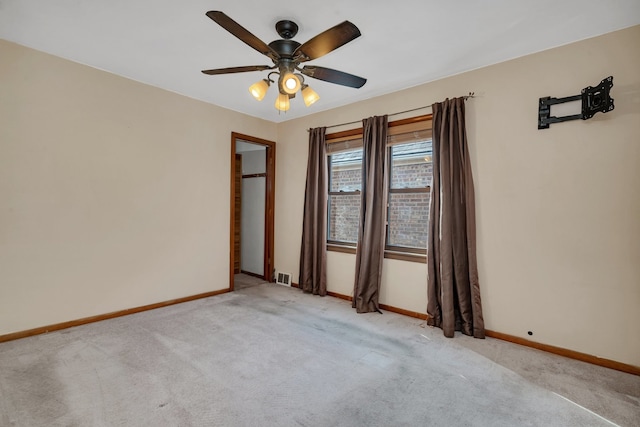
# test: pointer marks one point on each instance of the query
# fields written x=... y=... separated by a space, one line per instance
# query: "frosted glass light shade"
x=259 y=89
x=282 y=102
x=309 y=95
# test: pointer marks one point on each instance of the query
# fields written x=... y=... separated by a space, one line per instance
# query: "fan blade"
x=242 y=33
x=232 y=70
x=326 y=42
x=333 y=76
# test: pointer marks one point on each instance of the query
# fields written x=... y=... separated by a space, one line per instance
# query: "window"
x=408 y=198
x=410 y=172
x=345 y=183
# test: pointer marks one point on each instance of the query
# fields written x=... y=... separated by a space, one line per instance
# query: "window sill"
x=401 y=256
x=346 y=249
x=406 y=256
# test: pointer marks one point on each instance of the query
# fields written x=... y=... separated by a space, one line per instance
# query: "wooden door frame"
x=269 y=204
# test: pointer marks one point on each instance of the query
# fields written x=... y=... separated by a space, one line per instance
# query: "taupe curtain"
x=452 y=284
x=313 y=252
x=371 y=231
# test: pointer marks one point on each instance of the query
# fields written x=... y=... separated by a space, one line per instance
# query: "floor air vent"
x=283 y=279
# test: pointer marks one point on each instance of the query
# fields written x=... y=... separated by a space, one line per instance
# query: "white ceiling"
x=165 y=43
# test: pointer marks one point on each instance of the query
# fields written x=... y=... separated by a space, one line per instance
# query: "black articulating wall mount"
x=594 y=100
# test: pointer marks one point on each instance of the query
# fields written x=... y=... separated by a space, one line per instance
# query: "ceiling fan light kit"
x=259 y=89
x=287 y=55
x=282 y=102
x=290 y=83
x=309 y=95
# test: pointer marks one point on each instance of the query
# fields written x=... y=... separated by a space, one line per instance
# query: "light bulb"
x=309 y=95
x=259 y=89
x=290 y=83
x=282 y=102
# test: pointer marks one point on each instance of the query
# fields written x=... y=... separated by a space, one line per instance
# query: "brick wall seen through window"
x=408 y=213
x=345 y=171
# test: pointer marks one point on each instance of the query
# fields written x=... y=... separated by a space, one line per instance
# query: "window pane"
x=411 y=165
x=346 y=171
x=408 y=219
x=344 y=214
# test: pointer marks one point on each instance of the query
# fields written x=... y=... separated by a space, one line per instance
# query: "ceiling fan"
x=287 y=55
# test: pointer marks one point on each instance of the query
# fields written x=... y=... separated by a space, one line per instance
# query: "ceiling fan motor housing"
x=285 y=48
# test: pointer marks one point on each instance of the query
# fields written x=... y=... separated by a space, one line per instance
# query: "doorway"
x=252 y=213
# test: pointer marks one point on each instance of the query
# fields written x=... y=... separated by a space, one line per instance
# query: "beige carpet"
x=268 y=355
x=243 y=281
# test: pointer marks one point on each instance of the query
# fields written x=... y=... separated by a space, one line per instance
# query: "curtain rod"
x=471 y=95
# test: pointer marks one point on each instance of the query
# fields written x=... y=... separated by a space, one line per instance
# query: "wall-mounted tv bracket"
x=594 y=100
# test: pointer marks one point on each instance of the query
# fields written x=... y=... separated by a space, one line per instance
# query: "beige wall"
x=558 y=210
x=113 y=194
